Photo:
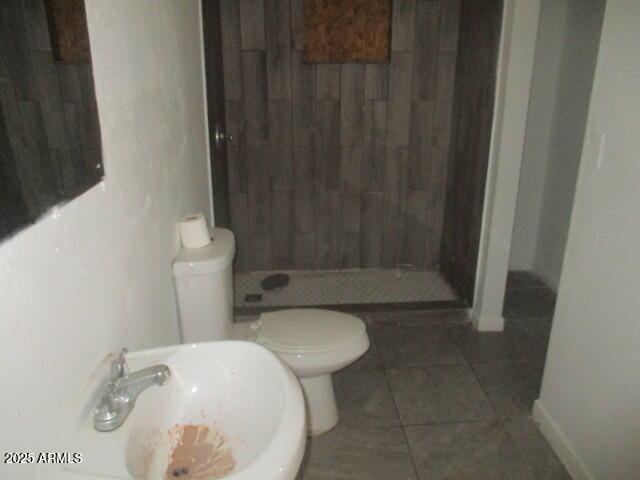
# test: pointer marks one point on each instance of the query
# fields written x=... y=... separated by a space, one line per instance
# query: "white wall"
x=515 y=66
x=95 y=276
x=590 y=400
x=544 y=88
x=561 y=86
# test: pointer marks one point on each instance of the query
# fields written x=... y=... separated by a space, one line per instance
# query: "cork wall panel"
x=341 y=31
x=68 y=30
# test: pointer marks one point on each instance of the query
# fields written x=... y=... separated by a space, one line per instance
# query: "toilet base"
x=320 y=402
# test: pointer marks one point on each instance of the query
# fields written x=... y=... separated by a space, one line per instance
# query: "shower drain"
x=275 y=281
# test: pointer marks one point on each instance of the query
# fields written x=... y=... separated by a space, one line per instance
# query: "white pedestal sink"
x=230 y=410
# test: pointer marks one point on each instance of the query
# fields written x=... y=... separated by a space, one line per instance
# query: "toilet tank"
x=204 y=286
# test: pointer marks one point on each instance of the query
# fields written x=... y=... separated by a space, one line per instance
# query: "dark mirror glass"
x=50 y=149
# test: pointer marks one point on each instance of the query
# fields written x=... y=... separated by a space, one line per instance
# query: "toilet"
x=315 y=343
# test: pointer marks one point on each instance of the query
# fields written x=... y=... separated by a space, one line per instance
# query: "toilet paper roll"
x=194 y=231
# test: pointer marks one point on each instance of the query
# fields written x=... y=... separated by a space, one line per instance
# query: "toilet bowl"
x=315 y=343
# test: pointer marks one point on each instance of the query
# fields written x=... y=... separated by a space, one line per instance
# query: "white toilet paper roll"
x=194 y=231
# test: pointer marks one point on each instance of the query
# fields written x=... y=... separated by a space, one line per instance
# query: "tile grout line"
x=502 y=421
x=395 y=407
x=465 y=422
x=520 y=452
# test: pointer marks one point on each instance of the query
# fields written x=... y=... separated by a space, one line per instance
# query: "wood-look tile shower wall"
x=337 y=166
x=479 y=39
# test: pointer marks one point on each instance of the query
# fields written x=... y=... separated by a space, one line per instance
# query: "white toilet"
x=313 y=342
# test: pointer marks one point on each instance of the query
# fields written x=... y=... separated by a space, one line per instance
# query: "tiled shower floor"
x=344 y=287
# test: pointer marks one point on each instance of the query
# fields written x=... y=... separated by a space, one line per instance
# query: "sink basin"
x=230 y=410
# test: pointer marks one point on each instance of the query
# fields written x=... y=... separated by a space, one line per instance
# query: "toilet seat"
x=311 y=341
x=309 y=330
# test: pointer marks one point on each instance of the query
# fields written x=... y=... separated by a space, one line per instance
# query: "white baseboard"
x=563 y=447
x=552 y=281
x=486 y=324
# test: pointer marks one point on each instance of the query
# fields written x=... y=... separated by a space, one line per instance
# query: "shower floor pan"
x=344 y=288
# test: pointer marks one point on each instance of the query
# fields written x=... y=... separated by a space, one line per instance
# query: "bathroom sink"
x=230 y=410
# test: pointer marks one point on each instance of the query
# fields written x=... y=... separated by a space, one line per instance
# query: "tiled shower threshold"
x=347 y=290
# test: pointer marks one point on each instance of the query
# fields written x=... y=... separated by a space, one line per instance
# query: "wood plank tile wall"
x=479 y=36
x=337 y=166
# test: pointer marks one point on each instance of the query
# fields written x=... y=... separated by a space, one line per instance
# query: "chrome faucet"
x=123 y=390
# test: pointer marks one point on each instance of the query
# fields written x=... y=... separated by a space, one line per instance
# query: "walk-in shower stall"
x=364 y=182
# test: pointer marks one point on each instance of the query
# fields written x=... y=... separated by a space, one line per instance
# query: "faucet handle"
x=119 y=366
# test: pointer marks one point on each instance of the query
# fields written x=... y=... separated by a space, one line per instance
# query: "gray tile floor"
x=434 y=400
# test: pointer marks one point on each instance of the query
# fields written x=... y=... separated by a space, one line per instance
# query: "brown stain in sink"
x=201 y=453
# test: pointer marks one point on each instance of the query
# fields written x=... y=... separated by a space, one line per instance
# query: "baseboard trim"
x=560 y=443
x=551 y=281
x=486 y=324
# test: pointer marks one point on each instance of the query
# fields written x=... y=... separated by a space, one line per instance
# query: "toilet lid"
x=308 y=329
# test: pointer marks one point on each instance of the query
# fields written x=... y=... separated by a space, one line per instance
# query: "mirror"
x=50 y=146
